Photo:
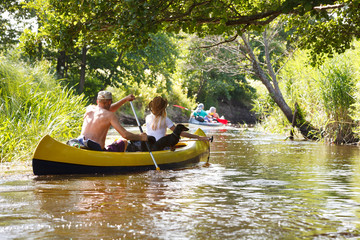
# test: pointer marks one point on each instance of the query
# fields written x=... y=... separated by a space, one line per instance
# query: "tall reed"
x=33 y=104
x=337 y=88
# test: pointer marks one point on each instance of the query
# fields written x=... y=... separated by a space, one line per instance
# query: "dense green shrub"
x=325 y=94
x=33 y=104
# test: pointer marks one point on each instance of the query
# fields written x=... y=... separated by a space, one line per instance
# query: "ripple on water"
x=256 y=187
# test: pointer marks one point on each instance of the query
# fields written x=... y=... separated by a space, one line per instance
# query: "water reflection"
x=257 y=187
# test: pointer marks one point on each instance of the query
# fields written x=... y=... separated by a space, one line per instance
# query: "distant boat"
x=52 y=157
x=194 y=121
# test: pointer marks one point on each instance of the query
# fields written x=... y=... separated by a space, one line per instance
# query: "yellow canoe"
x=52 y=157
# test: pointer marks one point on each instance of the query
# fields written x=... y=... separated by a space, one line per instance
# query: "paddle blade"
x=223 y=121
x=180 y=107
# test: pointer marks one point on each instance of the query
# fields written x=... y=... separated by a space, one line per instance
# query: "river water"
x=258 y=186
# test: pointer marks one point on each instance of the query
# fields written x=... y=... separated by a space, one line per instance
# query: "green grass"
x=33 y=104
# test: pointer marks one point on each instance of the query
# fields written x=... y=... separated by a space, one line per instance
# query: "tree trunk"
x=272 y=86
x=202 y=83
x=40 y=49
x=112 y=72
x=60 y=66
x=82 y=69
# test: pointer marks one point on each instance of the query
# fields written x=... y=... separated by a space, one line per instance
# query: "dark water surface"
x=257 y=187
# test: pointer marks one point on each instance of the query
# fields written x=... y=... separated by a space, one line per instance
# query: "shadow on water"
x=257 y=187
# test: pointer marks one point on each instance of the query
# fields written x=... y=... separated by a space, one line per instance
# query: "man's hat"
x=104 y=95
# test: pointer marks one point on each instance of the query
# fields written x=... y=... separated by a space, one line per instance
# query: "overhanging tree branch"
x=327 y=7
x=219 y=43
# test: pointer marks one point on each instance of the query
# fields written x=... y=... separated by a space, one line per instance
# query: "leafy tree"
x=67 y=28
x=212 y=81
x=156 y=60
x=260 y=55
x=78 y=34
x=327 y=30
x=11 y=11
x=229 y=19
x=127 y=24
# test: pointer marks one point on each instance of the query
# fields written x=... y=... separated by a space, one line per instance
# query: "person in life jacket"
x=200 y=114
x=212 y=113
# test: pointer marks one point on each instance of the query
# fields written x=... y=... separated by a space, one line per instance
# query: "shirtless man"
x=98 y=119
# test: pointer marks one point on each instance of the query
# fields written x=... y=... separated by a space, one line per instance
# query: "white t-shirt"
x=159 y=132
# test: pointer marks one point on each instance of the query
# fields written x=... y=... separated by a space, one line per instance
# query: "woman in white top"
x=157 y=122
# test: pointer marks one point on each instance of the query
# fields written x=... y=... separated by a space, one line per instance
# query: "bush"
x=325 y=95
x=33 y=104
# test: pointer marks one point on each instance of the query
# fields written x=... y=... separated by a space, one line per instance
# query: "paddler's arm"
x=124 y=133
x=190 y=135
x=118 y=104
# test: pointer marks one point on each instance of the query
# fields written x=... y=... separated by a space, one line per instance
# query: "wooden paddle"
x=147 y=144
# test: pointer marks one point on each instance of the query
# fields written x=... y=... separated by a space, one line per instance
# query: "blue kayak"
x=214 y=124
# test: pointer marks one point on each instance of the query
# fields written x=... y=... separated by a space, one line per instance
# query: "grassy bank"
x=33 y=104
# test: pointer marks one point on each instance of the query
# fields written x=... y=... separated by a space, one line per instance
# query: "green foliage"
x=12 y=11
x=325 y=95
x=33 y=104
x=222 y=17
x=262 y=104
x=213 y=75
x=127 y=24
x=107 y=66
x=68 y=26
x=327 y=32
x=29 y=42
x=325 y=26
x=213 y=87
x=337 y=87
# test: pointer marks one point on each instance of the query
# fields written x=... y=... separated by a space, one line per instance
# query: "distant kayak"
x=193 y=121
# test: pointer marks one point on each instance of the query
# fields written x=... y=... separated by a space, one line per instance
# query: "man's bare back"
x=98 y=119
x=96 y=124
